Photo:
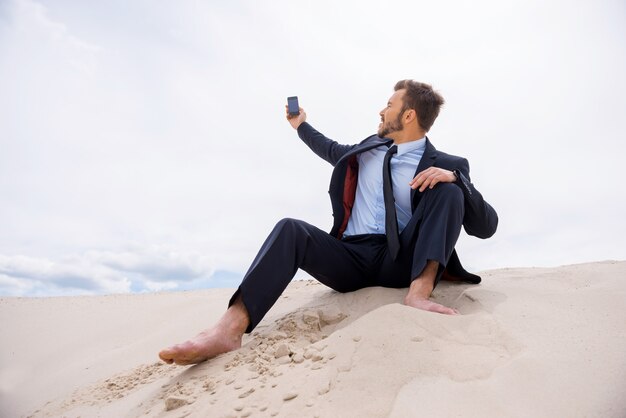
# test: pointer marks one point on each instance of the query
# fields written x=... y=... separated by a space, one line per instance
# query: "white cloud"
x=11 y=286
x=74 y=275
x=96 y=272
x=156 y=263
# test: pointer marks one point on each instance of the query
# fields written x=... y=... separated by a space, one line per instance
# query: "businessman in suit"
x=398 y=207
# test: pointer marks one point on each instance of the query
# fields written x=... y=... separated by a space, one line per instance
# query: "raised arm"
x=324 y=147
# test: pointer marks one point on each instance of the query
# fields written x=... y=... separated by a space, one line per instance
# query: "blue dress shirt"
x=368 y=213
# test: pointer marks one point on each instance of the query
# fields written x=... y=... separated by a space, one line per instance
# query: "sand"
x=530 y=342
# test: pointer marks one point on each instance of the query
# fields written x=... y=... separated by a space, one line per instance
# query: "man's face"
x=391 y=115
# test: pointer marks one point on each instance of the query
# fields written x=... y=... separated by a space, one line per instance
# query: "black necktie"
x=391 y=222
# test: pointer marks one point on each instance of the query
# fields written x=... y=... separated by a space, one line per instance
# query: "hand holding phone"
x=295 y=114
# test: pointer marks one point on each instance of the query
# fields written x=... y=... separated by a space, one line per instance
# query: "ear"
x=409 y=116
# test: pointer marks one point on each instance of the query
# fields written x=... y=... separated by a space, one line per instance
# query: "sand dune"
x=531 y=342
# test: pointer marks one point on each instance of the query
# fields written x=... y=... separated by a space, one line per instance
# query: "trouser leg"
x=440 y=227
x=296 y=244
x=431 y=234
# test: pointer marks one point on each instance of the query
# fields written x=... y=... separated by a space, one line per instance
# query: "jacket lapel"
x=372 y=142
x=427 y=160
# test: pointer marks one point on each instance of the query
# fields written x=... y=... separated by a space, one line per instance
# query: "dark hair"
x=423 y=99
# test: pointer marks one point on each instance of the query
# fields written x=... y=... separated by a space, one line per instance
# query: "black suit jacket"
x=480 y=219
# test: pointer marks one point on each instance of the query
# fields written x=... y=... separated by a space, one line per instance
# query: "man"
x=398 y=208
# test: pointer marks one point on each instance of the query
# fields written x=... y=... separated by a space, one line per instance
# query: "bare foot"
x=208 y=344
x=224 y=337
x=428 y=305
x=421 y=289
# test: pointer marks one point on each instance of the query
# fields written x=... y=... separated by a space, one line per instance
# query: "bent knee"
x=288 y=221
x=288 y=224
x=450 y=192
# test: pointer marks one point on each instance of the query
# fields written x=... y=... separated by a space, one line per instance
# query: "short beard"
x=390 y=127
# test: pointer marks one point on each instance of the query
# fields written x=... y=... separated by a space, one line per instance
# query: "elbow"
x=485 y=230
x=491 y=227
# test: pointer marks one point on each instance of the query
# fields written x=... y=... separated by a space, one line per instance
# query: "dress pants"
x=353 y=262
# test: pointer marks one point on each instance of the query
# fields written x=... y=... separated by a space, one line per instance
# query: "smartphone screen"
x=292 y=106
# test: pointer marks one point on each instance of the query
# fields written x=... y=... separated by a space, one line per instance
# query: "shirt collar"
x=411 y=146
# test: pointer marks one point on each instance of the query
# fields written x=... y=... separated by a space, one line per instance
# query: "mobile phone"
x=292 y=106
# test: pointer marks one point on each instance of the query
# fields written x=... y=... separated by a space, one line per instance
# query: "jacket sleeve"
x=480 y=220
x=324 y=147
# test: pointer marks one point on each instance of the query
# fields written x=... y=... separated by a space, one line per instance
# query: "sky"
x=144 y=147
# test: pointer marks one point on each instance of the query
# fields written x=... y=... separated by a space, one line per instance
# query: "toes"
x=167 y=355
x=429 y=305
x=180 y=357
x=448 y=311
x=165 y=358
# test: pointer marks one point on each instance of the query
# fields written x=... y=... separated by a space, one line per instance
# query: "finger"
x=417 y=180
x=422 y=180
x=443 y=176
x=428 y=182
x=435 y=180
x=421 y=176
x=421 y=183
x=425 y=184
